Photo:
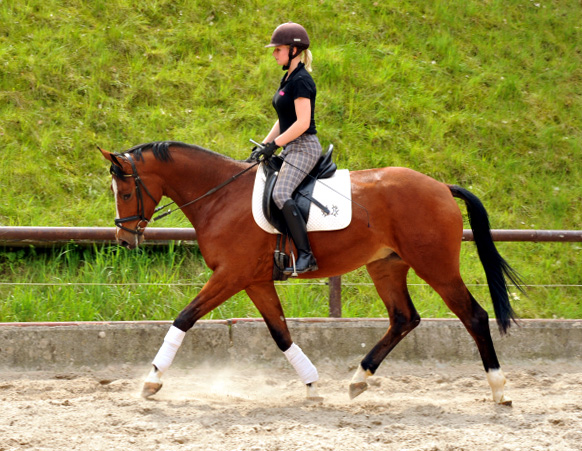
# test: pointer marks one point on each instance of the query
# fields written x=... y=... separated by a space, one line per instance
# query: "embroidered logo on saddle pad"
x=335 y=193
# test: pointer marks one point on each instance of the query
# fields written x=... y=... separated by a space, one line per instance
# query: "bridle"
x=140 y=205
x=139 y=230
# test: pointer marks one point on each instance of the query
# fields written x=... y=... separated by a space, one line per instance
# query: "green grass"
x=99 y=283
x=484 y=94
x=113 y=284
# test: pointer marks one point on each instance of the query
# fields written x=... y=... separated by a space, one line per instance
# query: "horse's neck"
x=194 y=173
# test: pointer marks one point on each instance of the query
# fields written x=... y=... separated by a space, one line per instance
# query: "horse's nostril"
x=123 y=243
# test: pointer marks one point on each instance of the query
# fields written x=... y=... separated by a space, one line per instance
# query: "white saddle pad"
x=335 y=193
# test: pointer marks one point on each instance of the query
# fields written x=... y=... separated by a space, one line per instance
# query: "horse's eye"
x=126 y=196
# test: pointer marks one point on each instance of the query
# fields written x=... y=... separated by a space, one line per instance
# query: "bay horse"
x=408 y=220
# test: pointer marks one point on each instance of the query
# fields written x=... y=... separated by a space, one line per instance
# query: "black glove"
x=253 y=156
x=267 y=151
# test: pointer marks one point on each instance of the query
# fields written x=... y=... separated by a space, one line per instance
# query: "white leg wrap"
x=361 y=375
x=167 y=352
x=496 y=380
x=154 y=376
x=305 y=369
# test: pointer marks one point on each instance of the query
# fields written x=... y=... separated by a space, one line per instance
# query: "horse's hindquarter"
x=406 y=203
x=403 y=207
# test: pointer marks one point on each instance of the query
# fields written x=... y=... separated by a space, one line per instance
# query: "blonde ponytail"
x=307 y=59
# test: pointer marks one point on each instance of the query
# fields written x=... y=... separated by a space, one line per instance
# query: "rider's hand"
x=267 y=150
x=253 y=156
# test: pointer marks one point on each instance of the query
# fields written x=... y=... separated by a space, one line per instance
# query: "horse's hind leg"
x=389 y=277
x=265 y=298
x=476 y=321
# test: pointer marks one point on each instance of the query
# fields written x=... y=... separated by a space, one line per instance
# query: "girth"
x=302 y=196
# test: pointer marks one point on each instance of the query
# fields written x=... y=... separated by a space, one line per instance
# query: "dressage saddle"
x=324 y=168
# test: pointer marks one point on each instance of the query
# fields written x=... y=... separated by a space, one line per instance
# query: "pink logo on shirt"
x=281 y=93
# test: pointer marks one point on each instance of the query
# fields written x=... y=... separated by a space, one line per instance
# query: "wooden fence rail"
x=48 y=236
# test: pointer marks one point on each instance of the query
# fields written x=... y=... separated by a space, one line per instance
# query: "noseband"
x=140 y=205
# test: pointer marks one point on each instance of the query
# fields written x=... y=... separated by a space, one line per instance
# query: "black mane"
x=161 y=151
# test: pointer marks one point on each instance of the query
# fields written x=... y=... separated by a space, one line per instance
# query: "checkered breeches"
x=300 y=157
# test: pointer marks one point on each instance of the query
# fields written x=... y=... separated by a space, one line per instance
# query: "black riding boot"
x=296 y=224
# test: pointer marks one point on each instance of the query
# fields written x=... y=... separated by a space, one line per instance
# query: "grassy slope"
x=482 y=94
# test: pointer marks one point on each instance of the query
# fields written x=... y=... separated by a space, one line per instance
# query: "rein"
x=208 y=193
x=139 y=230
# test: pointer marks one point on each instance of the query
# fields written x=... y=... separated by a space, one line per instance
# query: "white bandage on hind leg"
x=496 y=380
x=167 y=352
x=305 y=369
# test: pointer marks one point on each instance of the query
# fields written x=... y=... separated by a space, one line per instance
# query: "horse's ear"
x=110 y=156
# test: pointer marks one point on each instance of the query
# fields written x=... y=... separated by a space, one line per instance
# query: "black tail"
x=496 y=268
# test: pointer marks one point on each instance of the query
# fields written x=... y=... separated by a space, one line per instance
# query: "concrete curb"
x=46 y=346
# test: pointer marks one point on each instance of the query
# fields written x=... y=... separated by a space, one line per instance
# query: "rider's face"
x=281 y=54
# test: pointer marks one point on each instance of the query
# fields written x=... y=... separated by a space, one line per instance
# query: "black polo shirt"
x=299 y=84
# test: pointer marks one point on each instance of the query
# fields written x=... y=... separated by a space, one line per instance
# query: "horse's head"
x=135 y=198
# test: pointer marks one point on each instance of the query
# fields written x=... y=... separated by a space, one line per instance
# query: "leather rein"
x=139 y=229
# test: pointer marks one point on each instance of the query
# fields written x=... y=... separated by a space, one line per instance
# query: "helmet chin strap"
x=292 y=55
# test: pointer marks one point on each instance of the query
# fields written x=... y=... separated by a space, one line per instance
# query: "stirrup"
x=292 y=271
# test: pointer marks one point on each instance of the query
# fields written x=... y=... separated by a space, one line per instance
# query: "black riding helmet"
x=293 y=35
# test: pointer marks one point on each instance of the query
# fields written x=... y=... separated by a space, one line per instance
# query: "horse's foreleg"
x=389 y=277
x=162 y=361
x=265 y=298
x=215 y=292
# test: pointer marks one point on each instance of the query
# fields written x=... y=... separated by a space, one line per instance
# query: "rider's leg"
x=300 y=157
x=298 y=230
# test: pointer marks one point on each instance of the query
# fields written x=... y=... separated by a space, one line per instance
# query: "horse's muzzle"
x=128 y=240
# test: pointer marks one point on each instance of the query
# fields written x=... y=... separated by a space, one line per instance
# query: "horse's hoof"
x=312 y=393
x=505 y=402
x=150 y=389
x=357 y=388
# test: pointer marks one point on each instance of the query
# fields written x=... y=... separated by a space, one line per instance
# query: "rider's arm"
x=303 y=113
x=275 y=131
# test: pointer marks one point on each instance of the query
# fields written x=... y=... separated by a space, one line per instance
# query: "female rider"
x=295 y=131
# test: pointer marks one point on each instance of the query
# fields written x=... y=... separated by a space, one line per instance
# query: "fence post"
x=335 y=297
